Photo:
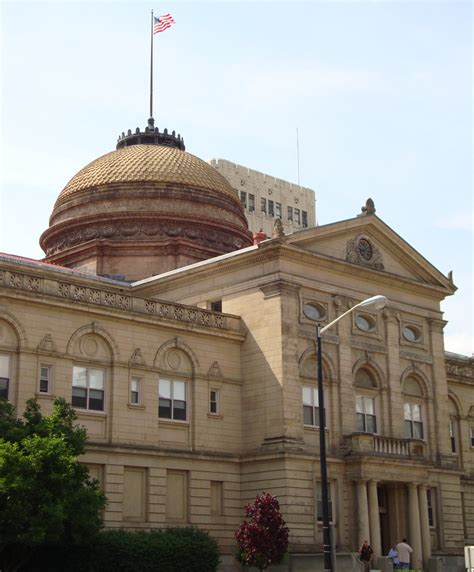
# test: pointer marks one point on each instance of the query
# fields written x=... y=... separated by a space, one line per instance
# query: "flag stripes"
x=162 y=23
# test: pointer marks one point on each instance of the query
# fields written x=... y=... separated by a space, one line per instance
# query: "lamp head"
x=376 y=302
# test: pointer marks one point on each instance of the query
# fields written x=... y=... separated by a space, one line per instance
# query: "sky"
x=379 y=91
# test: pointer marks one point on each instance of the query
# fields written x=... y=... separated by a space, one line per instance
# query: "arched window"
x=8 y=348
x=311 y=409
x=366 y=417
x=413 y=407
x=453 y=426
x=174 y=385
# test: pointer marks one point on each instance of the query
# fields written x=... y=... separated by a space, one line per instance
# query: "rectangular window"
x=304 y=215
x=217 y=496
x=319 y=502
x=413 y=421
x=4 y=376
x=311 y=406
x=271 y=211
x=290 y=213
x=251 y=203
x=243 y=198
x=452 y=435
x=297 y=217
x=431 y=512
x=214 y=407
x=135 y=388
x=472 y=437
x=263 y=205
x=88 y=388
x=45 y=378
x=172 y=399
x=216 y=306
x=365 y=410
x=278 y=210
x=134 y=494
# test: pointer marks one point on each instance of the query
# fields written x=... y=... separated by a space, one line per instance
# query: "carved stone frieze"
x=215 y=371
x=460 y=370
x=368 y=347
x=141 y=230
x=47 y=344
x=361 y=250
x=416 y=357
x=137 y=358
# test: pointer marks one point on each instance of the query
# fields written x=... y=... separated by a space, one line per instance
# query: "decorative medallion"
x=365 y=249
x=361 y=251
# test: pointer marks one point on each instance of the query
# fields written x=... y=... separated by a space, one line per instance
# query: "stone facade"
x=266 y=198
x=400 y=414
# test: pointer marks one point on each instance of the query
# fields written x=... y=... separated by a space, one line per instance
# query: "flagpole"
x=151 y=68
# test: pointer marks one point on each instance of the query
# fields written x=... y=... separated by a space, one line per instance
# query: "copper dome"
x=144 y=209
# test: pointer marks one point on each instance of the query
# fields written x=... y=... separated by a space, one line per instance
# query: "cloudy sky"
x=380 y=93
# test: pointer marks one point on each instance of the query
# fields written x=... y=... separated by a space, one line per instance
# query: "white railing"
x=390 y=446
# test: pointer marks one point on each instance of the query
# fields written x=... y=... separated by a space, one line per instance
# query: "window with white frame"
x=413 y=420
x=45 y=378
x=366 y=417
x=311 y=406
x=135 y=390
x=4 y=376
x=172 y=399
x=214 y=401
x=88 y=388
x=278 y=210
x=319 y=502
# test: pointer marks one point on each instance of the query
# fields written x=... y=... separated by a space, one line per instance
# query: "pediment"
x=368 y=242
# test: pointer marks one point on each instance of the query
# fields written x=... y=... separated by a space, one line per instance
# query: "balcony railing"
x=368 y=443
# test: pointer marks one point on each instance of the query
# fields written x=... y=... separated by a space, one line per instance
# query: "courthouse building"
x=185 y=351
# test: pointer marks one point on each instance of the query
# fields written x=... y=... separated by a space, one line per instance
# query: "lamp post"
x=376 y=302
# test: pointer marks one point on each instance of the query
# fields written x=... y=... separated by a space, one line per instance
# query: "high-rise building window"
x=172 y=399
x=88 y=388
x=311 y=407
x=413 y=421
x=243 y=198
x=278 y=210
x=45 y=378
x=251 y=203
x=135 y=390
x=290 y=213
x=4 y=375
x=365 y=410
x=304 y=214
x=263 y=205
x=297 y=217
x=271 y=211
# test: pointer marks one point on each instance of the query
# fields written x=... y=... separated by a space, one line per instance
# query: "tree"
x=46 y=495
x=263 y=539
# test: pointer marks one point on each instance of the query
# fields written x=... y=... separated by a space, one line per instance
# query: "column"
x=424 y=523
x=374 y=518
x=362 y=513
x=414 y=538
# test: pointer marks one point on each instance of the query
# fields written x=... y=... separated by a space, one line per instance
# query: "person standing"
x=365 y=555
x=404 y=551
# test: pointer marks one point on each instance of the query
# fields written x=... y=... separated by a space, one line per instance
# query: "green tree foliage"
x=46 y=496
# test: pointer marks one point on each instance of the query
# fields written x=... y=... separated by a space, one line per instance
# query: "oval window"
x=313 y=312
x=411 y=333
x=364 y=323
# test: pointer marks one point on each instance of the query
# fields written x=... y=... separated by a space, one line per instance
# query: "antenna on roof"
x=298 y=156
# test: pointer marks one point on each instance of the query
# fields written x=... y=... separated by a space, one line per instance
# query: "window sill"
x=138 y=406
x=315 y=428
x=215 y=416
x=173 y=422
x=43 y=395
x=89 y=413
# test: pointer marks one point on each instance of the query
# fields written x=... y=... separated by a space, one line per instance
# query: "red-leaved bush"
x=263 y=538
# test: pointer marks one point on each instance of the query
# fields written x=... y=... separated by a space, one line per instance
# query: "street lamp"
x=377 y=303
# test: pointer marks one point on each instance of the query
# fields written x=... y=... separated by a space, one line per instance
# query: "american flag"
x=162 y=23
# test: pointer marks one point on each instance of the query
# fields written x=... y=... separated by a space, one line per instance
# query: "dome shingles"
x=147 y=163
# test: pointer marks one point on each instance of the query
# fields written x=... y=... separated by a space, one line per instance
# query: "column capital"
x=422 y=486
x=413 y=485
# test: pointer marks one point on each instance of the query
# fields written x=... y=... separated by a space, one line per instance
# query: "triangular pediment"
x=368 y=242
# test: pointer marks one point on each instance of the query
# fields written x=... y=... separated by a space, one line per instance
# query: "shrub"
x=168 y=550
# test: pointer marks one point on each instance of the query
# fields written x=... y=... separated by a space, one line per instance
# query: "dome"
x=145 y=208
x=147 y=163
